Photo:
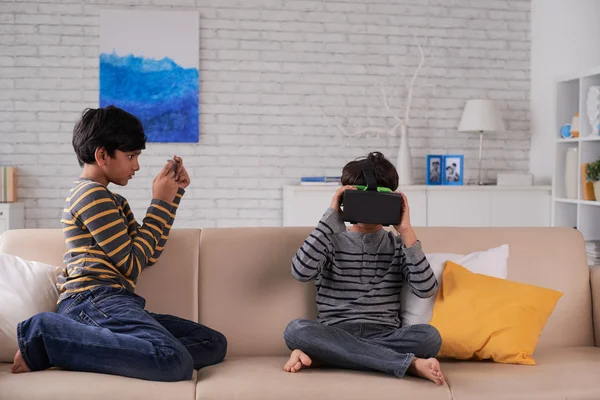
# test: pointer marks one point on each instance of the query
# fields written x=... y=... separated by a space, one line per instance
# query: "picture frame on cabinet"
x=453 y=169
x=434 y=169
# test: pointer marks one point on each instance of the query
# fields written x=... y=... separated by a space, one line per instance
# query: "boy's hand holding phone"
x=164 y=186
x=181 y=176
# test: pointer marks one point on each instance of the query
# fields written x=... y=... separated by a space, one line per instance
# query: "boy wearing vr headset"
x=358 y=274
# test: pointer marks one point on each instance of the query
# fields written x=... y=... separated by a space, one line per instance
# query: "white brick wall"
x=270 y=71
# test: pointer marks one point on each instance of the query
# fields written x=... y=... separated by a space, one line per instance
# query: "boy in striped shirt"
x=358 y=274
x=100 y=324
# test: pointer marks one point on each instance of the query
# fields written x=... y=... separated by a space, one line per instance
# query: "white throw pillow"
x=26 y=288
x=492 y=262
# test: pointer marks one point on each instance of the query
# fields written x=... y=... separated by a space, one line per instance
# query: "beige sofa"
x=238 y=281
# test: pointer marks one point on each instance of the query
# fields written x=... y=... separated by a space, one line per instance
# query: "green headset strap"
x=380 y=189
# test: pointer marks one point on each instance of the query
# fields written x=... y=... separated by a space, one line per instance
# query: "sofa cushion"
x=246 y=287
x=170 y=286
x=65 y=385
x=561 y=373
x=26 y=288
x=595 y=284
x=492 y=262
x=481 y=317
x=553 y=258
x=42 y=245
x=263 y=378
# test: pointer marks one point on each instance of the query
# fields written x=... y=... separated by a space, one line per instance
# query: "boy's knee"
x=185 y=367
x=292 y=328
x=436 y=340
x=221 y=347
x=431 y=339
x=295 y=332
x=178 y=364
x=40 y=320
x=43 y=317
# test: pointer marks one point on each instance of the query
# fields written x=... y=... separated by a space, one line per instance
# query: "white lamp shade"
x=481 y=116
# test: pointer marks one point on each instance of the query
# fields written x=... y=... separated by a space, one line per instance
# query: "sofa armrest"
x=595 y=283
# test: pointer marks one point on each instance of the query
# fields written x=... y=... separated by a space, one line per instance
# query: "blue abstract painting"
x=149 y=67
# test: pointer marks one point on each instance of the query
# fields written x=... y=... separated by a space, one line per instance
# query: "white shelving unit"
x=12 y=216
x=571 y=97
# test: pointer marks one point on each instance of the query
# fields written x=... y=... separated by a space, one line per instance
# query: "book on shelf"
x=320 y=180
x=593 y=261
x=592 y=250
x=587 y=187
x=592 y=245
x=333 y=184
x=8 y=184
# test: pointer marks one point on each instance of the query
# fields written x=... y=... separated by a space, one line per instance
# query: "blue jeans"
x=107 y=330
x=363 y=346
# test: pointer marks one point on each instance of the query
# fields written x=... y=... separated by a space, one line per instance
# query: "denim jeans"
x=107 y=330
x=363 y=346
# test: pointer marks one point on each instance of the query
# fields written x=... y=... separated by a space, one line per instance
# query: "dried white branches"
x=350 y=128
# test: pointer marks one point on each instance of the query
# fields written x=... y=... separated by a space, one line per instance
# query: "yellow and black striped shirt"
x=106 y=246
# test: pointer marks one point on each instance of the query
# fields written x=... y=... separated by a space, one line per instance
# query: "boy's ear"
x=100 y=156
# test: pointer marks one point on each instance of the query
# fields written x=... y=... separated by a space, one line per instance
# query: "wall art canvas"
x=149 y=67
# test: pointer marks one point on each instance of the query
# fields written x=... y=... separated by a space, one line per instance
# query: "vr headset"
x=371 y=204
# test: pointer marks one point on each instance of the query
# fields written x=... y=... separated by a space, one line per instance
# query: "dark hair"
x=385 y=173
x=109 y=127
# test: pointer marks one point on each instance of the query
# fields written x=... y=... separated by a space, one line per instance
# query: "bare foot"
x=298 y=360
x=428 y=369
x=19 y=364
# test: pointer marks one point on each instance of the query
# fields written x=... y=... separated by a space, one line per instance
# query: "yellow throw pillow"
x=480 y=317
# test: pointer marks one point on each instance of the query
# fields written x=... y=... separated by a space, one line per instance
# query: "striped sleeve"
x=96 y=209
x=317 y=248
x=165 y=233
x=417 y=271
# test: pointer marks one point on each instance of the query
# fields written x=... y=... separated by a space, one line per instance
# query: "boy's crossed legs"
x=365 y=347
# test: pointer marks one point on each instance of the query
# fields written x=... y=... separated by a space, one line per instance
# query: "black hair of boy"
x=110 y=127
x=385 y=172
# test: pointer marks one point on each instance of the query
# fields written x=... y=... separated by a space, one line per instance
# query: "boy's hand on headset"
x=337 y=197
x=404 y=228
x=404 y=223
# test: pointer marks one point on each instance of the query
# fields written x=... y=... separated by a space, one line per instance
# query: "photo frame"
x=453 y=169
x=434 y=169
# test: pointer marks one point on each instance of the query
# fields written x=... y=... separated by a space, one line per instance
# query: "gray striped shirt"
x=359 y=276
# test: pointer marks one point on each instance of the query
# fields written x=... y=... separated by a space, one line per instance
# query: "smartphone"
x=175 y=164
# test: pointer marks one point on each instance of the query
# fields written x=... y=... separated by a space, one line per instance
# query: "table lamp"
x=481 y=116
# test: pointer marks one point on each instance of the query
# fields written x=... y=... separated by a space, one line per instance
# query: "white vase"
x=404 y=162
x=593 y=109
x=597 y=190
x=571 y=162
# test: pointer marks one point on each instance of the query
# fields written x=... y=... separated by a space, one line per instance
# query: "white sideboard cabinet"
x=467 y=206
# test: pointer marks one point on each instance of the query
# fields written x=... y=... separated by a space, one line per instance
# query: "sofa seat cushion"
x=66 y=385
x=263 y=378
x=561 y=373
